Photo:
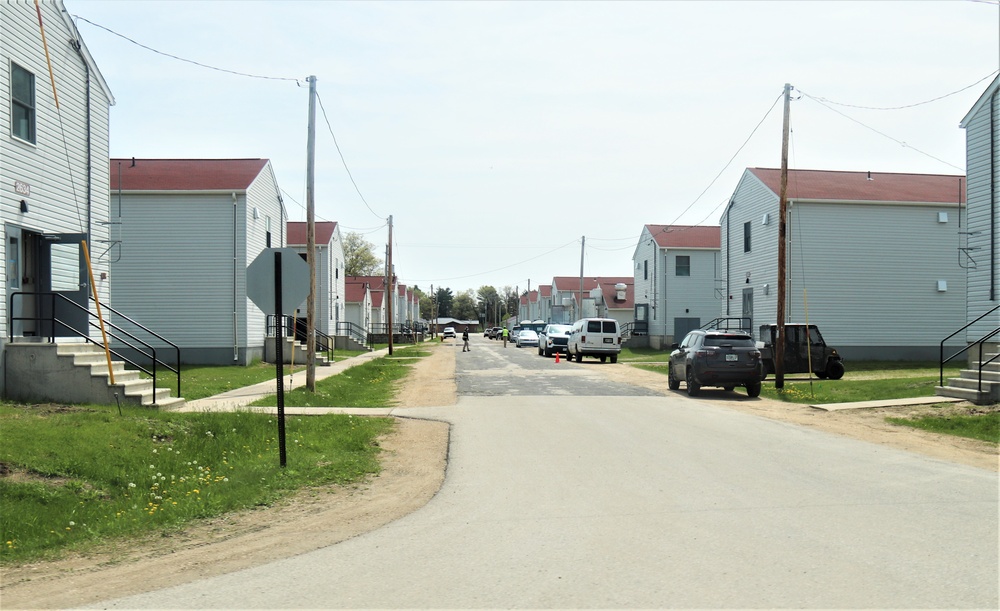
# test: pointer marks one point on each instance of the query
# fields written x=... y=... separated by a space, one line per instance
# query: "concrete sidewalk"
x=834 y=407
x=241 y=398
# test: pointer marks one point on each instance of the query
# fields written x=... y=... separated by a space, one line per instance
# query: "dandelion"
x=72 y=523
x=225 y=479
x=209 y=434
x=154 y=450
x=131 y=485
x=152 y=466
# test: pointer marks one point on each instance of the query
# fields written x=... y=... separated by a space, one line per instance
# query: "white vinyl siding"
x=982 y=270
x=56 y=173
x=175 y=274
x=867 y=287
x=870 y=287
x=261 y=194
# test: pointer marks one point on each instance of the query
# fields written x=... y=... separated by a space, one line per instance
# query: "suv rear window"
x=738 y=341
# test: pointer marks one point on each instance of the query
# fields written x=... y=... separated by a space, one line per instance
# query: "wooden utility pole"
x=310 y=241
x=391 y=290
x=779 y=341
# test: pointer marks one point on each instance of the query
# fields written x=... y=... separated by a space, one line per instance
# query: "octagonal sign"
x=294 y=280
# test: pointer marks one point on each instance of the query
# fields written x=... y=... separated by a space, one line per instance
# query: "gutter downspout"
x=993 y=199
x=86 y=67
x=236 y=336
x=729 y=214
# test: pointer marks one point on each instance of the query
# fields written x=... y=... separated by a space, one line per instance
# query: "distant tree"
x=464 y=306
x=487 y=302
x=426 y=307
x=359 y=256
x=444 y=300
x=511 y=301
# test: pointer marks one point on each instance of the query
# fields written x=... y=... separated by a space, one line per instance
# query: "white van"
x=600 y=337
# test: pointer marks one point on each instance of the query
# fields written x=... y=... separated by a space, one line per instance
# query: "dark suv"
x=715 y=358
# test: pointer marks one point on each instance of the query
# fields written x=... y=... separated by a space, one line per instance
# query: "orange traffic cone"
x=557 y=357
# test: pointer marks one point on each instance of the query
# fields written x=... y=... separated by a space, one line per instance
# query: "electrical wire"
x=558 y=248
x=884 y=135
x=339 y=152
x=189 y=61
x=940 y=97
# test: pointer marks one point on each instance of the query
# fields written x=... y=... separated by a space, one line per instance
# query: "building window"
x=683 y=265
x=22 y=103
x=645 y=270
x=746 y=236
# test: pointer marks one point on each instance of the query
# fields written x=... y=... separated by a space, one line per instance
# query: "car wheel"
x=835 y=370
x=672 y=382
x=604 y=359
x=753 y=389
x=763 y=371
x=693 y=387
x=821 y=375
x=614 y=358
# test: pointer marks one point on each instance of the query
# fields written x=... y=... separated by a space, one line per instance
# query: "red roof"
x=572 y=283
x=611 y=295
x=545 y=290
x=865 y=186
x=686 y=236
x=297 y=232
x=533 y=296
x=185 y=174
x=354 y=292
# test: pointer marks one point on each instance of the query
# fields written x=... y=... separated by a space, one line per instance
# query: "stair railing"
x=354 y=331
x=324 y=342
x=979 y=343
x=117 y=334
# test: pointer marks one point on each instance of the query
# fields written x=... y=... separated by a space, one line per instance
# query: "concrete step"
x=988 y=375
x=972 y=383
x=965 y=394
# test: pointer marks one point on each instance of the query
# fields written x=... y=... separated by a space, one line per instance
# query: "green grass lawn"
x=77 y=475
x=83 y=474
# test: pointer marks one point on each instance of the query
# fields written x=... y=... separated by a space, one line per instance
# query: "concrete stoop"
x=966 y=387
x=78 y=373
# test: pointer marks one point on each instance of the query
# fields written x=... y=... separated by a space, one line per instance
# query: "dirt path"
x=413 y=470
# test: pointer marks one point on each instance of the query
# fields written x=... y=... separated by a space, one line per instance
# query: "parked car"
x=553 y=338
x=599 y=337
x=526 y=337
x=804 y=352
x=448 y=332
x=715 y=358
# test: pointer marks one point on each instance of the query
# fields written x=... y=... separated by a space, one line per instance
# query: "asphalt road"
x=559 y=494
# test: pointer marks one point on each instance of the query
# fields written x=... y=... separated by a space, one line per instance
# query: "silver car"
x=526 y=337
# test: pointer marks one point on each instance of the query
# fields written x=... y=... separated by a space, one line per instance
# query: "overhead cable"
x=344 y=161
x=940 y=97
x=189 y=61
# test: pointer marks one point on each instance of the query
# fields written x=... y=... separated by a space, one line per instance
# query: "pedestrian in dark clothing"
x=465 y=338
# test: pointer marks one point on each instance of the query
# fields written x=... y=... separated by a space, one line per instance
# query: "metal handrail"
x=717 y=323
x=324 y=342
x=123 y=338
x=355 y=331
x=979 y=343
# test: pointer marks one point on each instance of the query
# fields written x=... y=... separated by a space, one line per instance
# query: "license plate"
x=609 y=340
x=732 y=357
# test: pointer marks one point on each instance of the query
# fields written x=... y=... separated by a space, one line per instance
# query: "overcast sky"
x=497 y=134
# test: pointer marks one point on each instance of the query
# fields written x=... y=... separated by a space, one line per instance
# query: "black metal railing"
x=636 y=327
x=117 y=334
x=980 y=342
x=354 y=331
x=296 y=327
x=729 y=323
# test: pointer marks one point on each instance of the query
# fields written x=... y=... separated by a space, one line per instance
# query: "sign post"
x=276 y=278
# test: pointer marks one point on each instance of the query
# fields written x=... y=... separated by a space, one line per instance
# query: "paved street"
x=616 y=498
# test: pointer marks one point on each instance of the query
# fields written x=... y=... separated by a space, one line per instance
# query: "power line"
x=189 y=61
x=940 y=97
x=497 y=269
x=884 y=135
x=330 y=127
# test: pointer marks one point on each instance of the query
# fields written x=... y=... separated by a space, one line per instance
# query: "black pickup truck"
x=800 y=346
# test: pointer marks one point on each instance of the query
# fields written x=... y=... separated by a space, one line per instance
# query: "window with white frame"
x=22 y=103
x=683 y=265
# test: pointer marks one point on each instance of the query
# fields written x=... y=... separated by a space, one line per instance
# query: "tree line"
x=487 y=304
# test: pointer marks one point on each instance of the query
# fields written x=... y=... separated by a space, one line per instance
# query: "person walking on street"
x=465 y=338
x=505 y=333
